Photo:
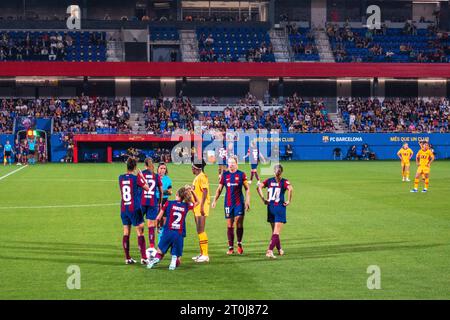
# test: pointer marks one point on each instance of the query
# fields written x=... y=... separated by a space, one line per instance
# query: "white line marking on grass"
x=12 y=172
x=70 y=180
x=63 y=206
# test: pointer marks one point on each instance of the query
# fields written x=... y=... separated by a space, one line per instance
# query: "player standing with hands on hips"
x=424 y=159
x=276 y=206
x=235 y=206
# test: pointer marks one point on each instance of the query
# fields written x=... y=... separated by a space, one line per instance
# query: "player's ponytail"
x=131 y=164
x=149 y=164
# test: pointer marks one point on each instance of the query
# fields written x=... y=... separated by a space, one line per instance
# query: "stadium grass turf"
x=344 y=217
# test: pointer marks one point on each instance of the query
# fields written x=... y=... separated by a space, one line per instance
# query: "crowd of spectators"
x=164 y=115
x=297 y=115
x=39 y=47
x=45 y=47
x=437 y=48
x=300 y=115
x=262 y=53
x=7 y=114
x=217 y=18
x=78 y=115
x=90 y=114
x=301 y=47
x=396 y=115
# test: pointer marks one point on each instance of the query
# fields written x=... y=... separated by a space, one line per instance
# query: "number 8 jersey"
x=129 y=185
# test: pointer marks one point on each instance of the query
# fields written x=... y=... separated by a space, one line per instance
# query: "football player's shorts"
x=134 y=218
x=276 y=213
x=174 y=239
x=197 y=211
x=150 y=212
x=423 y=169
x=234 y=211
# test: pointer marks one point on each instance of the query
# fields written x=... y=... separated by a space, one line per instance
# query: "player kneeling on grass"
x=130 y=209
x=276 y=206
x=174 y=229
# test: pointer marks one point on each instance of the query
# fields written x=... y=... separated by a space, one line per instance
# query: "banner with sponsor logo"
x=324 y=146
x=384 y=145
x=308 y=146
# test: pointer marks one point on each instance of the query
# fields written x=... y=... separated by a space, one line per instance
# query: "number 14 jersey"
x=276 y=190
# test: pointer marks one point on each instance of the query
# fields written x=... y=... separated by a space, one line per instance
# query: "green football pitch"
x=344 y=217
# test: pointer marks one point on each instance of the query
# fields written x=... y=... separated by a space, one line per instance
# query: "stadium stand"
x=6 y=120
x=396 y=115
x=164 y=115
x=296 y=115
x=407 y=44
x=225 y=44
x=76 y=115
x=52 y=46
x=302 y=43
x=164 y=34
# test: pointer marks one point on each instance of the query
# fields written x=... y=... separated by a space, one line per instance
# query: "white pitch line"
x=12 y=172
x=63 y=206
x=96 y=180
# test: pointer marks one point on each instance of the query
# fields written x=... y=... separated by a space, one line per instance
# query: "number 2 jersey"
x=276 y=191
x=148 y=198
x=130 y=186
x=176 y=212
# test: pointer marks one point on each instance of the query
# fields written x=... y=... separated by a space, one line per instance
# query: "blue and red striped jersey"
x=276 y=190
x=253 y=155
x=176 y=212
x=130 y=185
x=233 y=182
x=148 y=198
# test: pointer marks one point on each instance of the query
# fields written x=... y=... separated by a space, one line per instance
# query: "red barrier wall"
x=132 y=138
x=199 y=69
x=113 y=138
